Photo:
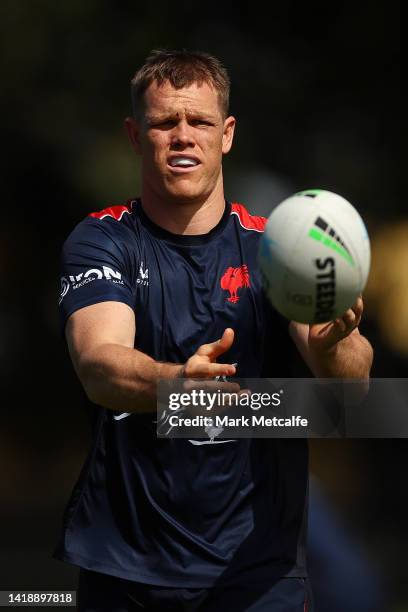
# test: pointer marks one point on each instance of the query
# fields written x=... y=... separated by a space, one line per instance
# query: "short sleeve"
x=96 y=266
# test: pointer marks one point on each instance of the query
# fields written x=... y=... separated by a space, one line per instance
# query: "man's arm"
x=116 y=375
x=335 y=349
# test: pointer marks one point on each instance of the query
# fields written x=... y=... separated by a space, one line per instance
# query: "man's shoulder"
x=111 y=224
x=247 y=221
x=117 y=212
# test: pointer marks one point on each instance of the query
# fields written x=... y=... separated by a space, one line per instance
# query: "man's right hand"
x=201 y=372
x=203 y=363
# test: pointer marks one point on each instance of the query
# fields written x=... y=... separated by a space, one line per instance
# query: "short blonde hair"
x=181 y=69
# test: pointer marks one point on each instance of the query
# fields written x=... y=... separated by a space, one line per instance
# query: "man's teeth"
x=183 y=161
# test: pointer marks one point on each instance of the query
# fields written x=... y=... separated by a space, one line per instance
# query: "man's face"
x=181 y=137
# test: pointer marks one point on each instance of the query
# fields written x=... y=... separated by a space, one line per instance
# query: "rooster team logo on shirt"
x=234 y=279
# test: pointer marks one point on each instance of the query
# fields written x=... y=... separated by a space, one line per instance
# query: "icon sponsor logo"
x=74 y=282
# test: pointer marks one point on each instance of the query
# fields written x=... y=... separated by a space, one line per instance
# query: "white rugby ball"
x=314 y=256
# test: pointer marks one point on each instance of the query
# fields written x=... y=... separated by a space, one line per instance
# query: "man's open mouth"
x=183 y=162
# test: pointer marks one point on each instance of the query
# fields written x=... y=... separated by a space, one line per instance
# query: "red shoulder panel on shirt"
x=116 y=212
x=249 y=222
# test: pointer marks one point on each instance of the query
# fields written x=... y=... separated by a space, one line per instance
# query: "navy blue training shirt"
x=176 y=512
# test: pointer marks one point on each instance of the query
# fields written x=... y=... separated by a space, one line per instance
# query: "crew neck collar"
x=183 y=239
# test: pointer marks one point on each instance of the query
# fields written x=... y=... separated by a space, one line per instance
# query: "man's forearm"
x=124 y=379
x=351 y=357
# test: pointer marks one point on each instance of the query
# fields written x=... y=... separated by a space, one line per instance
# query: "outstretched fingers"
x=197 y=368
x=351 y=318
x=203 y=363
x=217 y=348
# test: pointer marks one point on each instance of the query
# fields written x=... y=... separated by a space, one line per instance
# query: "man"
x=182 y=524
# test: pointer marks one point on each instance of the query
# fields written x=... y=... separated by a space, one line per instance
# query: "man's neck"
x=188 y=218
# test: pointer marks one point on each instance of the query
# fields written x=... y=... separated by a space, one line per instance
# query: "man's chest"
x=186 y=297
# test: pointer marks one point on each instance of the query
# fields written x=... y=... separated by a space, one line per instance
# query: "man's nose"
x=182 y=135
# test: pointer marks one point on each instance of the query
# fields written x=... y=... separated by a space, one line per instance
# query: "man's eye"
x=200 y=123
x=163 y=125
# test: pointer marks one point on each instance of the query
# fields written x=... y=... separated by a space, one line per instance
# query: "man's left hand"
x=324 y=336
x=335 y=349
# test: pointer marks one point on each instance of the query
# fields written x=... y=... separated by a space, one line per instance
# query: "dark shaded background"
x=320 y=102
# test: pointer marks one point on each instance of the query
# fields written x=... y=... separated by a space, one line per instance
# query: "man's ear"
x=133 y=130
x=228 y=134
